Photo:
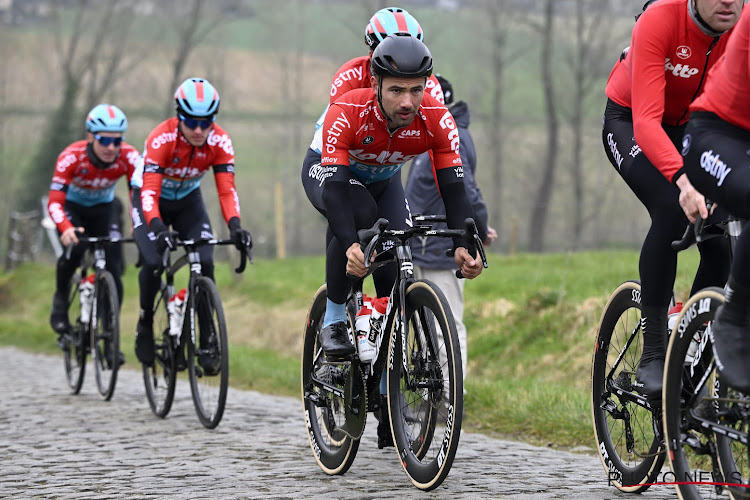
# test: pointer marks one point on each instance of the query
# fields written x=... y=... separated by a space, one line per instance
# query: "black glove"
x=164 y=238
x=241 y=238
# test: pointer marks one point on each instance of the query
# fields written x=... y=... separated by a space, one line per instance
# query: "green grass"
x=531 y=322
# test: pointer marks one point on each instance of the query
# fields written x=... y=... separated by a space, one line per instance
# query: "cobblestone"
x=57 y=445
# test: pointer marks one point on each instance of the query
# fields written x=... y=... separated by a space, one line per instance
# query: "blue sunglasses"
x=106 y=141
x=194 y=123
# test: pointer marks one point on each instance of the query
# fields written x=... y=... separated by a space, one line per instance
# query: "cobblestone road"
x=55 y=445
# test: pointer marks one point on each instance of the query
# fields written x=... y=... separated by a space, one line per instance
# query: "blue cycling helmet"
x=389 y=21
x=196 y=97
x=106 y=118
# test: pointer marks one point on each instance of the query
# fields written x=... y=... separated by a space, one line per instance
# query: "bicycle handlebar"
x=369 y=238
x=245 y=254
x=700 y=231
x=94 y=239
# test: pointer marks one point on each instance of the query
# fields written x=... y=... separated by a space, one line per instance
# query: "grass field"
x=531 y=323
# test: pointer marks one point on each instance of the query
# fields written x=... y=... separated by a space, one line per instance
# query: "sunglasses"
x=106 y=141
x=194 y=123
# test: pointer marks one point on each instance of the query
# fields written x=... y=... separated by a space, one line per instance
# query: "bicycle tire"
x=625 y=426
x=692 y=390
x=425 y=387
x=74 y=341
x=105 y=335
x=160 y=379
x=334 y=450
x=208 y=384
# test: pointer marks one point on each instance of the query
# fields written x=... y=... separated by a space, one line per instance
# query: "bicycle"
x=203 y=335
x=416 y=350
x=626 y=424
x=94 y=317
x=705 y=422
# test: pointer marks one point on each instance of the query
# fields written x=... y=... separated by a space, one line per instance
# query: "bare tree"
x=192 y=28
x=538 y=224
x=91 y=59
x=591 y=57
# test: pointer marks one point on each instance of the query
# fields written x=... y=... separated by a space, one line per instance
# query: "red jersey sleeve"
x=338 y=134
x=223 y=166
x=57 y=192
x=155 y=157
x=652 y=37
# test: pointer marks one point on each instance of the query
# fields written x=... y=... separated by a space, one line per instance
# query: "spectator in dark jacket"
x=429 y=254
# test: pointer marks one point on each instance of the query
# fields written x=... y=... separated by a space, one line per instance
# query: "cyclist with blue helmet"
x=178 y=152
x=82 y=194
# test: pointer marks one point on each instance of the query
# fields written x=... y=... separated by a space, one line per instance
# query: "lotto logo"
x=681 y=70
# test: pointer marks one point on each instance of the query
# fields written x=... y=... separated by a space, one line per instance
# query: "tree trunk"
x=538 y=225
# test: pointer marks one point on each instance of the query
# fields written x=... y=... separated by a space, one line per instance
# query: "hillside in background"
x=272 y=65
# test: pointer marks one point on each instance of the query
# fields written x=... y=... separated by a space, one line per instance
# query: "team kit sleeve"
x=153 y=174
x=224 y=175
x=338 y=133
x=449 y=173
x=649 y=51
x=61 y=179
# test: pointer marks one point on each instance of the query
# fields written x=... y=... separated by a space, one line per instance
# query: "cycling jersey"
x=726 y=92
x=355 y=133
x=173 y=168
x=662 y=73
x=78 y=179
x=355 y=74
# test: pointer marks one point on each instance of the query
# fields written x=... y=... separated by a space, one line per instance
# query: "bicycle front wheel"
x=703 y=419
x=161 y=377
x=625 y=427
x=425 y=386
x=323 y=398
x=75 y=340
x=105 y=335
x=208 y=353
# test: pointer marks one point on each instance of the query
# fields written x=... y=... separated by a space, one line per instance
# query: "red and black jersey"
x=355 y=133
x=355 y=74
x=173 y=168
x=79 y=180
x=663 y=72
x=726 y=92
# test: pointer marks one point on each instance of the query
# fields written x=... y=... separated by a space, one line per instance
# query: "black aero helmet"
x=401 y=55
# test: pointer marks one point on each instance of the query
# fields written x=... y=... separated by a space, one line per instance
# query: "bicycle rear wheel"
x=208 y=353
x=105 y=335
x=425 y=387
x=75 y=341
x=626 y=429
x=160 y=378
x=325 y=409
x=695 y=400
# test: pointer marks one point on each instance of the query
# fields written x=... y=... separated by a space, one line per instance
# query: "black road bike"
x=418 y=352
x=705 y=422
x=94 y=317
x=201 y=346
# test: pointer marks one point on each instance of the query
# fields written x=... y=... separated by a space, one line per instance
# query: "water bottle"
x=176 y=308
x=376 y=318
x=86 y=296
x=362 y=327
x=674 y=313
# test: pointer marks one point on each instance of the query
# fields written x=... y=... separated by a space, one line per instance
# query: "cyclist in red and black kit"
x=715 y=149
x=356 y=74
x=81 y=198
x=179 y=151
x=673 y=46
x=368 y=135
